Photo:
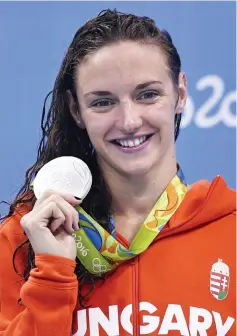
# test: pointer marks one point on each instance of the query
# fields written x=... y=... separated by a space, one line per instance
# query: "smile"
x=132 y=142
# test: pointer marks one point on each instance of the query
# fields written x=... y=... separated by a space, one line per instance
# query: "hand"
x=50 y=224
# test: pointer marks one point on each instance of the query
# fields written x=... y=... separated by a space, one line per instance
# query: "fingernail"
x=77 y=198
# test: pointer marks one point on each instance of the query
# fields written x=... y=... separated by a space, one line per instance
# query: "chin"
x=136 y=170
x=132 y=166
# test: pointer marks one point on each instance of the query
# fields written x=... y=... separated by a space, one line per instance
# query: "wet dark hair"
x=60 y=134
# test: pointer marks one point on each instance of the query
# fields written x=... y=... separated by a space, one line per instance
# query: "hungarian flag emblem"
x=219 y=280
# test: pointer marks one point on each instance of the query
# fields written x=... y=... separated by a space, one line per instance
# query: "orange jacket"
x=184 y=284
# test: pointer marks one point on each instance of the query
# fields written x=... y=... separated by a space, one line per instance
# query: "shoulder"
x=11 y=231
x=216 y=191
x=12 y=237
x=208 y=202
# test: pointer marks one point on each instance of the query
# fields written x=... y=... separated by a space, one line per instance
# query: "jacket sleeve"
x=48 y=297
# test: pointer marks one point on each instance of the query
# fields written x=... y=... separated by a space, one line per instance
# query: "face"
x=127 y=105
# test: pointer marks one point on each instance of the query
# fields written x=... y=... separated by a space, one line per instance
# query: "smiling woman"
x=121 y=106
x=117 y=105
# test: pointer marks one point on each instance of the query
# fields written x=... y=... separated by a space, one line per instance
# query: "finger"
x=56 y=212
x=71 y=214
x=67 y=197
x=76 y=220
x=39 y=219
x=52 y=211
x=67 y=210
x=57 y=223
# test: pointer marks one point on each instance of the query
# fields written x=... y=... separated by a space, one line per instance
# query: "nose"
x=130 y=120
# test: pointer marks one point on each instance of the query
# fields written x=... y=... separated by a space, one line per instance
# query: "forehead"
x=123 y=63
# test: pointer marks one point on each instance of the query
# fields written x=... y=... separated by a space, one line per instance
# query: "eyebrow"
x=108 y=93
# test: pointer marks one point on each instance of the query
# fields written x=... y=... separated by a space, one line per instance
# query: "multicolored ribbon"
x=100 y=252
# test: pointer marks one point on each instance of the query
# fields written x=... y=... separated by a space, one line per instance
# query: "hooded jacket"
x=183 y=284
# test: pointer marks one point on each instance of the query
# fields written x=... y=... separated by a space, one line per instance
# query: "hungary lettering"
x=93 y=320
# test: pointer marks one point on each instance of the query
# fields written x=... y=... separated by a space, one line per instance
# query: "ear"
x=73 y=107
x=182 y=91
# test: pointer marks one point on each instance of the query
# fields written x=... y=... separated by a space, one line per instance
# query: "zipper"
x=135 y=289
x=135 y=297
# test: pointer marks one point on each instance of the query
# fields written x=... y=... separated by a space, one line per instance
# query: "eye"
x=148 y=95
x=102 y=103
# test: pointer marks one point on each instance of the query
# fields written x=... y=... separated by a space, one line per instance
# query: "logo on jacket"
x=219 y=280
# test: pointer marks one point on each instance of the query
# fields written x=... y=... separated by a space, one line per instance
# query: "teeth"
x=136 y=142
x=132 y=143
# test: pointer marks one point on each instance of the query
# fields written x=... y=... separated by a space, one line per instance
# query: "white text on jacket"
x=116 y=322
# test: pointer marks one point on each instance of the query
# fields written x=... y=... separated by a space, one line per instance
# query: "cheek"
x=97 y=125
x=161 y=117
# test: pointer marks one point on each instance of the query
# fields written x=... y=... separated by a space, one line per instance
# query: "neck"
x=134 y=196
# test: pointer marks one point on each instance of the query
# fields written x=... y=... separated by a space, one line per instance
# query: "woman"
x=166 y=249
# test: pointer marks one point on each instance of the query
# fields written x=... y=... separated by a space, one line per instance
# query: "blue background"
x=34 y=37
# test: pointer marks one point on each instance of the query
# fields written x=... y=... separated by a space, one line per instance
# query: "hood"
x=204 y=203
